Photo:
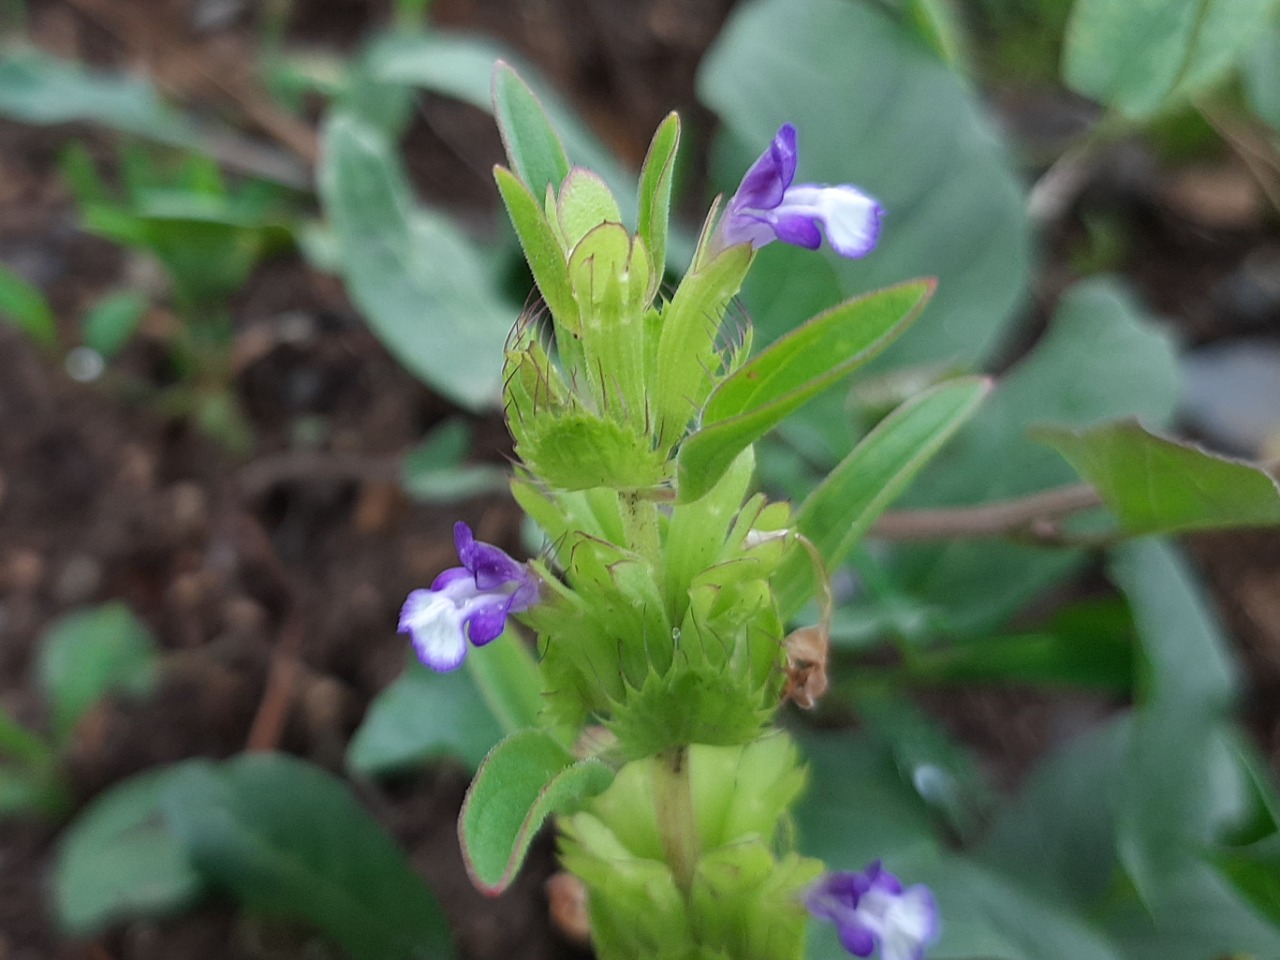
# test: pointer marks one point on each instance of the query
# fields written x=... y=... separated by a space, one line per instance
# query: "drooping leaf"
x=781 y=379
x=286 y=838
x=525 y=779
x=88 y=655
x=1155 y=485
x=119 y=860
x=843 y=507
x=424 y=287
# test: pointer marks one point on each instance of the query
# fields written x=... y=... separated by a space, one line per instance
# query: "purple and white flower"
x=768 y=207
x=470 y=602
x=871 y=909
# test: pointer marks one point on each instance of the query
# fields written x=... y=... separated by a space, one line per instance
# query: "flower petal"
x=432 y=621
x=766 y=181
x=487 y=618
x=850 y=218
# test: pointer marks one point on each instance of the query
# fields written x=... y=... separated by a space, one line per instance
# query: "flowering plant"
x=662 y=597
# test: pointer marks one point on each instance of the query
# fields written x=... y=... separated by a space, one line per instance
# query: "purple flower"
x=871 y=909
x=768 y=207
x=470 y=602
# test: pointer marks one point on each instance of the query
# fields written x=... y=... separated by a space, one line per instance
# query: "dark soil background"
x=273 y=583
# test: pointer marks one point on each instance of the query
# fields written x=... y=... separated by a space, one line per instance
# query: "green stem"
x=673 y=804
x=640 y=523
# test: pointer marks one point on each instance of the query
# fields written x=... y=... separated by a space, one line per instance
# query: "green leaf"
x=542 y=249
x=37 y=88
x=873 y=107
x=286 y=838
x=421 y=716
x=425 y=289
x=1261 y=76
x=1139 y=57
x=1100 y=358
x=22 y=305
x=655 y=189
x=776 y=383
x=509 y=681
x=88 y=655
x=842 y=508
x=112 y=321
x=534 y=148
x=1155 y=485
x=119 y=860
x=526 y=778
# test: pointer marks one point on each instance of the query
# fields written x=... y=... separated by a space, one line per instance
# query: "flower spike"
x=470 y=602
x=769 y=206
x=871 y=910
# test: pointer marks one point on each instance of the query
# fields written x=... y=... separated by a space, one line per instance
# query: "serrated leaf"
x=524 y=780
x=423 y=286
x=286 y=838
x=843 y=507
x=88 y=655
x=25 y=307
x=119 y=860
x=1156 y=485
x=781 y=379
x=1138 y=57
x=421 y=716
x=533 y=146
x=580 y=451
x=655 y=189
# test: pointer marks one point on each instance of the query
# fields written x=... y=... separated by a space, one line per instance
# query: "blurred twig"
x=1034 y=517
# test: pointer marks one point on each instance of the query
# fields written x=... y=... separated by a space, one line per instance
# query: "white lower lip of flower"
x=437 y=623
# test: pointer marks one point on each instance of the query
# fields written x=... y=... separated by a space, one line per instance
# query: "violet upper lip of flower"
x=871 y=909
x=470 y=602
x=769 y=206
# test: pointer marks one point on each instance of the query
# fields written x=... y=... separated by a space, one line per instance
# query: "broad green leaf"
x=874 y=108
x=510 y=683
x=1100 y=358
x=37 y=88
x=91 y=654
x=533 y=146
x=426 y=289
x=525 y=779
x=1155 y=485
x=112 y=320
x=119 y=860
x=286 y=838
x=655 y=189
x=1140 y=56
x=843 y=507
x=781 y=379
x=22 y=305
x=421 y=716
x=1261 y=75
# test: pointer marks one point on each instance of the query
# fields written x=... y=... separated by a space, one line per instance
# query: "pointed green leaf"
x=535 y=150
x=655 y=189
x=763 y=392
x=1156 y=485
x=541 y=247
x=843 y=507
x=526 y=778
x=119 y=860
x=112 y=321
x=286 y=838
x=22 y=305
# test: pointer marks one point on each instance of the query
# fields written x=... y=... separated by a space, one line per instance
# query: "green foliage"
x=525 y=779
x=120 y=860
x=434 y=470
x=1142 y=57
x=285 y=838
x=536 y=153
x=111 y=322
x=1155 y=485
x=88 y=655
x=425 y=288
x=789 y=373
x=25 y=307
